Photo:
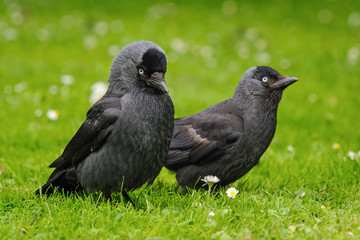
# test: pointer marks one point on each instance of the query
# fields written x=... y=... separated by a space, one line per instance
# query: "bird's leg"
x=126 y=196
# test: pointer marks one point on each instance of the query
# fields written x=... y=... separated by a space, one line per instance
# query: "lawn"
x=307 y=183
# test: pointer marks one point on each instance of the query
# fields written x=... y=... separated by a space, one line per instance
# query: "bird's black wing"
x=92 y=134
x=202 y=138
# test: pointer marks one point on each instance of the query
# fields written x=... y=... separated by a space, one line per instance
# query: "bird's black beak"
x=157 y=80
x=284 y=82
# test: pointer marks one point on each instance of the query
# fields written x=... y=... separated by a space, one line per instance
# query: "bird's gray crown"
x=130 y=56
x=260 y=71
x=262 y=83
x=250 y=73
x=250 y=83
x=136 y=50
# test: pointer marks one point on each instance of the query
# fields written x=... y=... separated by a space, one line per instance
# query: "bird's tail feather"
x=50 y=185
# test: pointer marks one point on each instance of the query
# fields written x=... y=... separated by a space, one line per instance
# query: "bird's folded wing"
x=202 y=138
x=92 y=134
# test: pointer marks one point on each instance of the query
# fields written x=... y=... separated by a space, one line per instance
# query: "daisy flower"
x=290 y=148
x=336 y=146
x=67 y=79
x=231 y=192
x=53 y=114
x=351 y=155
x=210 y=180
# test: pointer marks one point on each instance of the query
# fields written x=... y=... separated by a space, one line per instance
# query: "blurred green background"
x=52 y=52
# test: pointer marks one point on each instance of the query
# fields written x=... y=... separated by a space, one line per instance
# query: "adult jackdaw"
x=226 y=140
x=124 y=140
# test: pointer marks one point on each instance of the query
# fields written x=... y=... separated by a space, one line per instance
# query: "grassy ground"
x=304 y=187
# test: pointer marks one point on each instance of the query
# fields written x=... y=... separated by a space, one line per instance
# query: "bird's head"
x=142 y=64
x=264 y=81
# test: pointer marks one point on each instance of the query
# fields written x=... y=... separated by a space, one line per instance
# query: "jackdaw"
x=226 y=140
x=124 y=140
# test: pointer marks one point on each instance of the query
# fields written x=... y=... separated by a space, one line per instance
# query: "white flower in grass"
x=210 y=216
x=231 y=192
x=53 y=114
x=67 y=79
x=354 y=19
x=38 y=112
x=114 y=50
x=351 y=155
x=210 y=180
x=53 y=89
x=336 y=146
x=290 y=148
x=101 y=28
x=291 y=229
x=178 y=45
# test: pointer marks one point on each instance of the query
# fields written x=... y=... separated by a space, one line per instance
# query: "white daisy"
x=53 y=114
x=231 y=192
x=210 y=216
x=210 y=180
x=292 y=229
x=38 y=112
x=351 y=155
x=336 y=146
x=67 y=79
x=290 y=148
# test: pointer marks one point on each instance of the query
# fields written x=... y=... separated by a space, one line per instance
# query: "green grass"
x=311 y=192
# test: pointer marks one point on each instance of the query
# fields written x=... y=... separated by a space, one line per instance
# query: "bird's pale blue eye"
x=141 y=71
x=264 y=79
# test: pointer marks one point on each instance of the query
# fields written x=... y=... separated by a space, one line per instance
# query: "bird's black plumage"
x=226 y=140
x=124 y=140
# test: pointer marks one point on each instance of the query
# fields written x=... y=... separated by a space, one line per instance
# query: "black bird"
x=124 y=140
x=226 y=140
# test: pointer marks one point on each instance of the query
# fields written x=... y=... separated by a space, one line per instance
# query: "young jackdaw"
x=124 y=140
x=226 y=140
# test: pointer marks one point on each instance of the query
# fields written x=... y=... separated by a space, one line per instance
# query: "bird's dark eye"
x=264 y=79
x=141 y=71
